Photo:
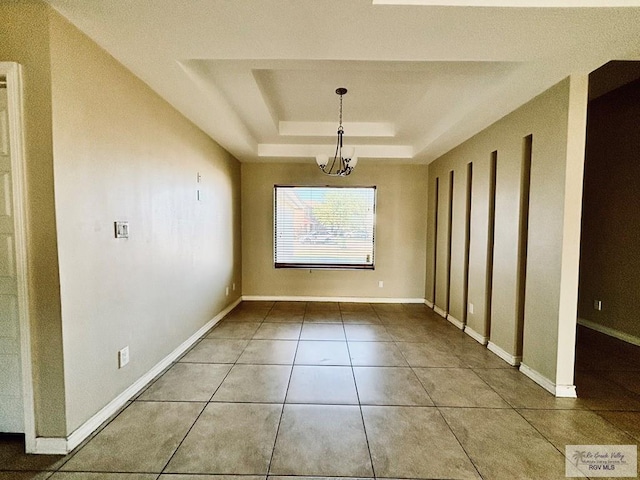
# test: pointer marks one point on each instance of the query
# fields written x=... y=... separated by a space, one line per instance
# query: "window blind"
x=324 y=227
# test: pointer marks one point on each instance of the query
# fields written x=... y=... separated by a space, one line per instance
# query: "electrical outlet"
x=123 y=357
x=227 y=291
x=381 y=284
x=470 y=308
x=597 y=305
x=233 y=287
x=121 y=229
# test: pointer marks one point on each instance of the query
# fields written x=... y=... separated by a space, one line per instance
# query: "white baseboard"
x=439 y=311
x=625 y=337
x=455 y=321
x=481 y=339
x=566 y=391
x=559 y=391
x=281 y=298
x=512 y=360
x=540 y=379
x=50 y=446
x=428 y=303
x=61 y=446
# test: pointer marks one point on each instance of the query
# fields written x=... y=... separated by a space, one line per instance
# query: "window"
x=324 y=227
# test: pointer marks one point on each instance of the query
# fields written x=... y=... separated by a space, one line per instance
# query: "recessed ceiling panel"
x=513 y=3
x=423 y=75
x=389 y=105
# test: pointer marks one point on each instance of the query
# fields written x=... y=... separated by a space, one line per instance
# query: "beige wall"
x=400 y=233
x=25 y=39
x=610 y=257
x=554 y=119
x=123 y=153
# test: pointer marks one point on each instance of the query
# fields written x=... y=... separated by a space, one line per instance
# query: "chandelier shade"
x=344 y=159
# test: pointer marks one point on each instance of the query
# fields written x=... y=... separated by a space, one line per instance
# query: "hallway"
x=350 y=390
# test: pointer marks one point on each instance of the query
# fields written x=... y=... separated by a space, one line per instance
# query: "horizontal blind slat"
x=324 y=226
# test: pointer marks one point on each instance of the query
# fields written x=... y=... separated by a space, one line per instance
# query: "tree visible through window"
x=324 y=227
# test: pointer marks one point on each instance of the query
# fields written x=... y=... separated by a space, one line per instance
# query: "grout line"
x=203 y=408
x=284 y=402
x=403 y=314
x=355 y=384
x=459 y=442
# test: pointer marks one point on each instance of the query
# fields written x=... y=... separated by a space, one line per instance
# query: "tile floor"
x=350 y=390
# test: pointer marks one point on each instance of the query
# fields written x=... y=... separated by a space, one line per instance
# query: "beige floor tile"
x=406 y=329
x=329 y=307
x=522 y=392
x=376 y=354
x=322 y=352
x=417 y=308
x=195 y=382
x=575 y=427
x=284 y=316
x=247 y=315
x=360 y=318
x=13 y=457
x=503 y=445
x=408 y=332
x=101 y=476
x=347 y=307
x=414 y=442
x=256 y=305
x=278 y=331
x=284 y=477
x=229 y=438
x=172 y=476
x=23 y=475
x=387 y=307
x=269 y=352
x=322 y=385
x=298 y=307
x=321 y=331
x=211 y=350
x=628 y=422
x=599 y=393
x=367 y=333
x=140 y=439
x=244 y=330
x=424 y=355
x=628 y=380
x=255 y=383
x=458 y=387
x=313 y=315
x=321 y=440
x=477 y=356
x=390 y=386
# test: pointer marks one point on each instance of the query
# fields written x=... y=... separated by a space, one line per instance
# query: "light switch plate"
x=123 y=357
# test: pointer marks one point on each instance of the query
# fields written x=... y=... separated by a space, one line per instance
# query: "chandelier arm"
x=333 y=162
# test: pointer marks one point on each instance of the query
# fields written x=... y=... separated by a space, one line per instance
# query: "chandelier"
x=343 y=161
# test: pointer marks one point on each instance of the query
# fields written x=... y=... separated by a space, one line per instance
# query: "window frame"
x=325 y=265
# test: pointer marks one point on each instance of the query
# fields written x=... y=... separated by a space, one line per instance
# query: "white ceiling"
x=259 y=76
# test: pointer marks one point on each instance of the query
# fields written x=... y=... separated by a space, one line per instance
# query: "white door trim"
x=13 y=73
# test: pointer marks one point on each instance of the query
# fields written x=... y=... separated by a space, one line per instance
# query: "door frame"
x=13 y=73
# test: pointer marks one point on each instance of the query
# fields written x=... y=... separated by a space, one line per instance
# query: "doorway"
x=607 y=352
x=16 y=397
